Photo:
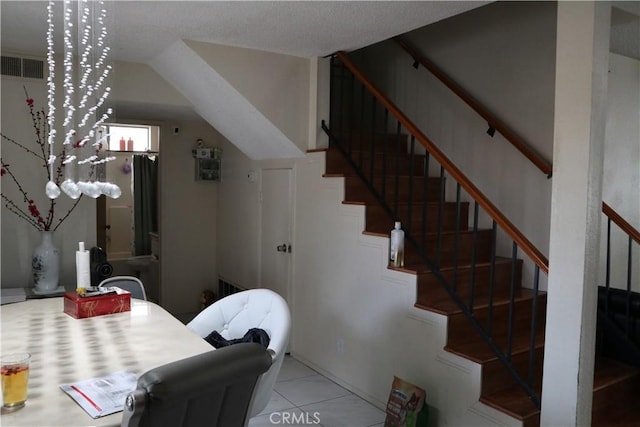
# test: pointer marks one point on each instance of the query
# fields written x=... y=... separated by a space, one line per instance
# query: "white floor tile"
x=292 y=369
x=277 y=403
x=291 y=418
x=311 y=389
x=346 y=411
x=302 y=397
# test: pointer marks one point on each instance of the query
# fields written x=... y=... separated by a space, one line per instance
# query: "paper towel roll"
x=83 y=267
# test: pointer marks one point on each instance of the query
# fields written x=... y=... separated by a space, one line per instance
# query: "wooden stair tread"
x=478 y=351
x=422 y=269
x=629 y=418
x=479 y=264
x=512 y=401
x=447 y=306
x=609 y=371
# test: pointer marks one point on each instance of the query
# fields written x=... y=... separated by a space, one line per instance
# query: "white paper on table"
x=102 y=396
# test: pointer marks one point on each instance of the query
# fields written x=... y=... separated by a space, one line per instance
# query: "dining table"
x=67 y=350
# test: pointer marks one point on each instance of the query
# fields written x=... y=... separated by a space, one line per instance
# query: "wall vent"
x=22 y=67
x=225 y=288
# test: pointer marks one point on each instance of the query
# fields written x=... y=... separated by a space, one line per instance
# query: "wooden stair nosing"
x=478 y=351
x=449 y=307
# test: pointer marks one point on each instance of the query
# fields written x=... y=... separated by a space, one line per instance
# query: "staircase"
x=460 y=268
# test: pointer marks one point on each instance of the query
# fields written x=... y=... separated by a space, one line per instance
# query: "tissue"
x=83 y=267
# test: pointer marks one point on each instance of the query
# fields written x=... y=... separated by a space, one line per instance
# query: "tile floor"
x=302 y=397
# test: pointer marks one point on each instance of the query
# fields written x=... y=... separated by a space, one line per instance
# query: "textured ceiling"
x=140 y=30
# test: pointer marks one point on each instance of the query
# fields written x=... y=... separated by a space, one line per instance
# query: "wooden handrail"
x=528 y=247
x=621 y=222
x=519 y=143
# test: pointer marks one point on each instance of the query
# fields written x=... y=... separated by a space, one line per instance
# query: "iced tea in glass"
x=14 y=369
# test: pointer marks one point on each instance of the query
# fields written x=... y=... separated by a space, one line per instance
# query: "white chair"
x=128 y=283
x=235 y=314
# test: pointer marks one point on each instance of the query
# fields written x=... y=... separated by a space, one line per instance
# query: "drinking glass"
x=14 y=369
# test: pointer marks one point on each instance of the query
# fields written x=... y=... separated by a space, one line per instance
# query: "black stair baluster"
x=534 y=324
x=425 y=199
x=472 y=289
x=456 y=245
x=514 y=261
x=384 y=156
x=373 y=138
x=440 y=213
x=397 y=171
x=351 y=115
x=628 y=308
x=492 y=268
x=333 y=111
x=608 y=268
x=362 y=127
x=409 y=226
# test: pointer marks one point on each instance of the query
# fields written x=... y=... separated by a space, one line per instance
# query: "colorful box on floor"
x=90 y=306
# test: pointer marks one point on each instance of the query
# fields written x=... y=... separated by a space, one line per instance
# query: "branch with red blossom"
x=28 y=209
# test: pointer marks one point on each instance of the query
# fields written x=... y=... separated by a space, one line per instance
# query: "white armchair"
x=235 y=314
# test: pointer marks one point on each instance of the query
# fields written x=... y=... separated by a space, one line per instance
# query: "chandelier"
x=85 y=90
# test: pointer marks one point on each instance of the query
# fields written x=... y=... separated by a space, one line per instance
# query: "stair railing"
x=623 y=320
x=494 y=123
x=361 y=113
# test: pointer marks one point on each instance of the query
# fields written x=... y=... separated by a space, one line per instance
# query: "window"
x=132 y=137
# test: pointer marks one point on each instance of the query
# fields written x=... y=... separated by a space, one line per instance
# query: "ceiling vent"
x=22 y=67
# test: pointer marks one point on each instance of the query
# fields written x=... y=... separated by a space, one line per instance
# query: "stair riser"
x=460 y=330
x=429 y=288
x=389 y=142
x=615 y=399
x=447 y=246
x=391 y=164
x=356 y=191
x=496 y=377
x=379 y=221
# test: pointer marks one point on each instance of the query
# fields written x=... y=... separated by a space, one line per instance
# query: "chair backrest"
x=210 y=389
x=235 y=314
x=128 y=283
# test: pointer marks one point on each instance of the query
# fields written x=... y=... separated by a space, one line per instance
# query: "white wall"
x=503 y=54
x=187 y=218
x=277 y=85
x=621 y=179
x=354 y=320
x=341 y=288
x=19 y=239
x=138 y=84
x=187 y=208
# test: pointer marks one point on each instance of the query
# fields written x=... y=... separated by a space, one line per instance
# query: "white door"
x=275 y=226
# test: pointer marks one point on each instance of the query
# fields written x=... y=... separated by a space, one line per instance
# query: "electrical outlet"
x=340 y=346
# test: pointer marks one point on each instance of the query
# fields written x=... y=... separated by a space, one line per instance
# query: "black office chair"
x=128 y=283
x=211 y=389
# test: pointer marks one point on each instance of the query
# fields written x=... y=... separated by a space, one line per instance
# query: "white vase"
x=45 y=265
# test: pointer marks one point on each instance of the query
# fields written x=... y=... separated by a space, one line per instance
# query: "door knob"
x=282 y=248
